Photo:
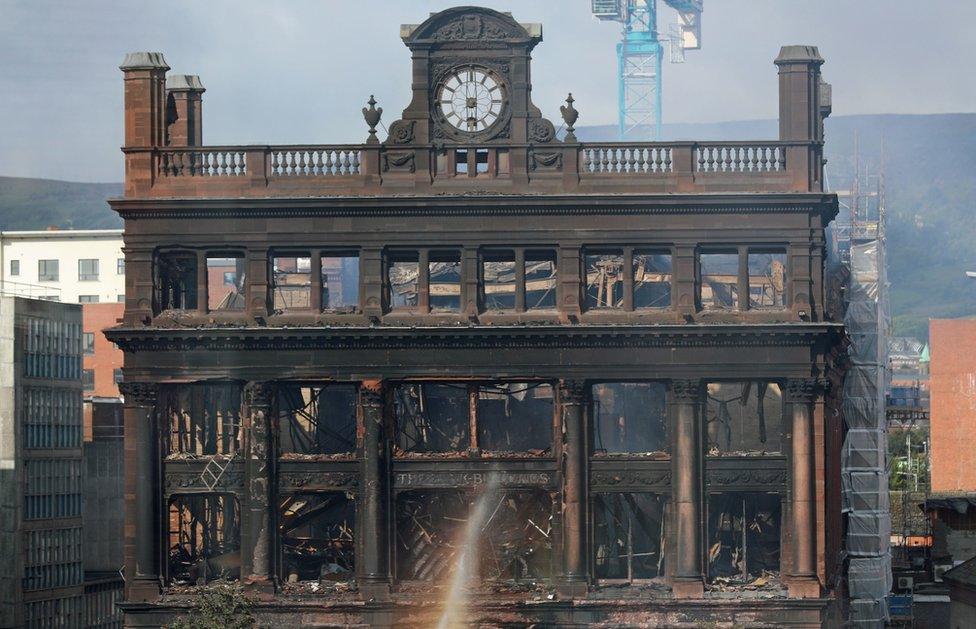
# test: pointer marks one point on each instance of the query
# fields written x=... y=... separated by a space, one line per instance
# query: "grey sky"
x=299 y=71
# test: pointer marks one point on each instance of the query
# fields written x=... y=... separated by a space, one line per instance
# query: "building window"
x=87 y=299
x=540 y=280
x=744 y=418
x=743 y=536
x=117 y=376
x=340 y=281
x=317 y=534
x=604 y=279
x=473 y=418
x=176 y=281
x=15 y=267
x=317 y=420
x=628 y=544
x=719 y=280
x=203 y=419
x=88 y=342
x=292 y=281
x=120 y=298
x=88 y=270
x=767 y=279
x=403 y=277
x=88 y=379
x=47 y=270
x=498 y=280
x=444 y=277
x=120 y=266
x=652 y=279
x=204 y=538
x=225 y=282
x=630 y=417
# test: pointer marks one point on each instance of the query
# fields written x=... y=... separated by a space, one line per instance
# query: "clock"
x=471 y=99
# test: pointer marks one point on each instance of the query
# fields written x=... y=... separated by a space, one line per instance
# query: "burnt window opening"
x=225 y=282
x=499 y=280
x=719 y=275
x=444 y=273
x=340 y=281
x=630 y=417
x=767 y=279
x=628 y=536
x=432 y=417
x=202 y=419
x=461 y=162
x=204 y=539
x=604 y=279
x=403 y=275
x=652 y=279
x=317 y=420
x=513 y=542
x=744 y=417
x=317 y=536
x=515 y=417
x=292 y=282
x=540 y=280
x=505 y=417
x=744 y=531
x=176 y=281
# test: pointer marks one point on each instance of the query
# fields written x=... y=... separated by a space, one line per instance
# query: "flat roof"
x=66 y=234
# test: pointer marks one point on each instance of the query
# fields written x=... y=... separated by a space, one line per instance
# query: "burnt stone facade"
x=332 y=352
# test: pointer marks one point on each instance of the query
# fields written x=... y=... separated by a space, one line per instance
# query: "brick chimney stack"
x=184 y=106
x=145 y=116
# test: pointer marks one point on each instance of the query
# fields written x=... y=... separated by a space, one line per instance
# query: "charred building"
x=331 y=351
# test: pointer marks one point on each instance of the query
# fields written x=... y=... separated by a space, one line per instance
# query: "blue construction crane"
x=640 y=54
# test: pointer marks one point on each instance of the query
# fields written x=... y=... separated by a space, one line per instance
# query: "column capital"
x=371 y=393
x=802 y=390
x=139 y=393
x=258 y=393
x=572 y=391
x=686 y=390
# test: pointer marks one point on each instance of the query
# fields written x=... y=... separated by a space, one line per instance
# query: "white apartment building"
x=78 y=266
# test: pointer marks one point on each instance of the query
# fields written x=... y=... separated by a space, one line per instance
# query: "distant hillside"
x=39 y=203
x=930 y=169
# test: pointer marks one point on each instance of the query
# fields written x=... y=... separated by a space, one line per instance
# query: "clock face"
x=471 y=99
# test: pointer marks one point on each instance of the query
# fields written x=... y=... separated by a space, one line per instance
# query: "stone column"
x=573 y=464
x=257 y=534
x=372 y=562
x=687 y=580
x=803 y=583
x=142 y=494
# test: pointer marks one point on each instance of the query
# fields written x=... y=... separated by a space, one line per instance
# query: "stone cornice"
x=322 y=338
x=455 y=204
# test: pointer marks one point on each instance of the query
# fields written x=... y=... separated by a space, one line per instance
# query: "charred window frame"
x=339 y=279
x=719 y=274
x=744 y=537
x=630 y=418
x=488 y=418
x=403 y=279
x=176 y=281
x=204 y=538
x=768 y=278
x=651 y=275
x=604 y=272
x=424 y=280
x=291 y=281
x=316 y=537
x=514 y=542
x=628 y=535
x=226 y=281
x=202 y=419
x=519 y=279
x=316 y=420
x=627 y=278
x=444 y=280
x=744 y=417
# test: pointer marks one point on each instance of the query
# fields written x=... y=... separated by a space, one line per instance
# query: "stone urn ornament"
x=372 y=115
x=570 y=115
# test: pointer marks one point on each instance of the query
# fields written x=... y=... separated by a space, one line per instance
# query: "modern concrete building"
x=74 y=266
x=41 y=468
x=624 y=347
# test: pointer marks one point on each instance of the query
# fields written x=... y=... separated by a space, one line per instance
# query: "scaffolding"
x=858 y=242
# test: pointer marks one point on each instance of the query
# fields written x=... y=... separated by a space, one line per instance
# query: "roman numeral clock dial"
x=471 y=99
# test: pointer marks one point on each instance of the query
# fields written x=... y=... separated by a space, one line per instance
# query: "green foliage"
x=907 y=463
x=220 y=606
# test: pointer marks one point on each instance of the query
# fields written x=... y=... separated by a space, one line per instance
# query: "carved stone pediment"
x=463 y=24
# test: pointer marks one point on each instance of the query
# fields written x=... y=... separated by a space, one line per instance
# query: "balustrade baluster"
x=355 y=163
x=345 y=162
x=764 y=159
